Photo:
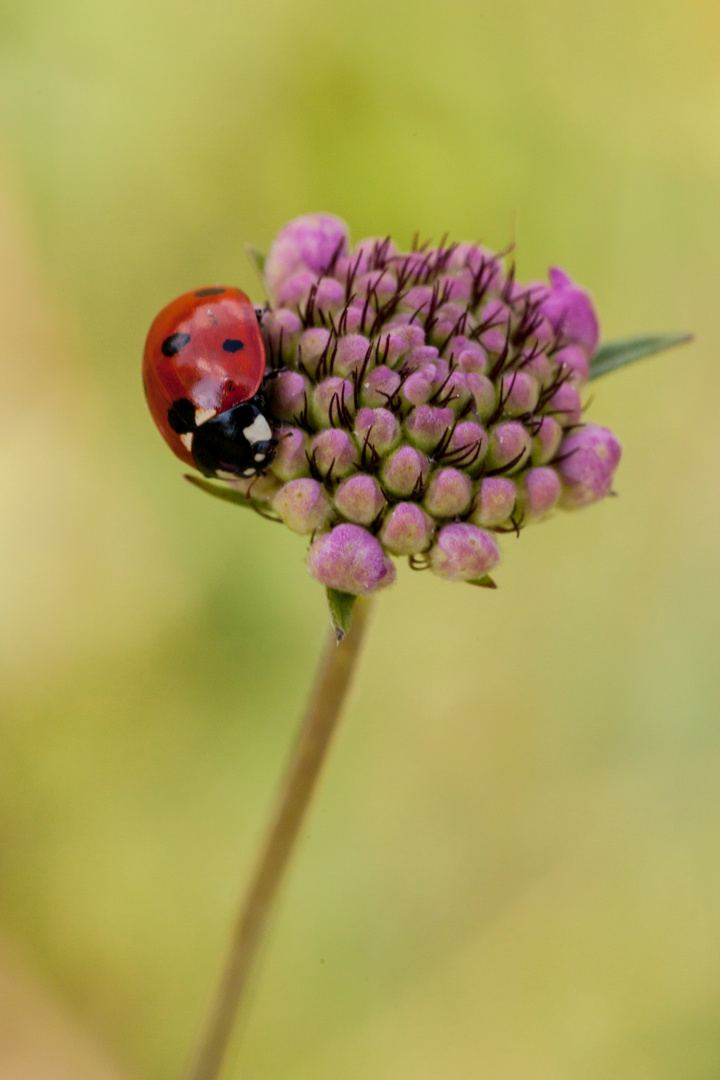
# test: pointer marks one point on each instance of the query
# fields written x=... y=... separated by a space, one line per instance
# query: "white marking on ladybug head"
x=258 y=431
x=249 y=472
x=186 y=439
x=259 y=457
x=223 y=475
x=201 y=415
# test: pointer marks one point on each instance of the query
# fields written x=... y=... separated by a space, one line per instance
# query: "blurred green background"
x=512 y=871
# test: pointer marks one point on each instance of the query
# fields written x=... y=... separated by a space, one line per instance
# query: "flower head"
x=425 y=403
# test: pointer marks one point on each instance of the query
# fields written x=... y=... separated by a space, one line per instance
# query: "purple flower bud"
x=448 y=494
x=483 y=393
x=496 y=315
x=379 y=386
x=541 y=491
x=391 y=347
x=540 y=367
x=380 y=284
x=418 y=387
x=427 y=425
x=509 y=446
x=463 y=552
x=287 y=394
x=351 y=560
x=496 y=498
x=472 y=359
x=294 y=291
x=332 y=401
x=418 y=299
x=371 y=252
x=332 y=453
x=457 y=288
x=426 y=379
x=574 y=359
x=520 y=392
x=468 y=446
x=310 y=242
x=290 y=459
x=329 y=295
x=303 y=506
x=315 y=345
x=566 y=405
x=351 y=353
x=570 y=311
x=484 y=265
x=412 y=334
x=493 y=341
x=405 y=471
x=353 y=319
x=419 y=355
x=281 y=330
x=589 y=458
x=546 y=440
x=376 y=429
x=454 y=388
x=407 y=530
x=359 y=499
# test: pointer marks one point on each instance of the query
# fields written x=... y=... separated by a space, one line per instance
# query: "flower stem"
x=332 y=682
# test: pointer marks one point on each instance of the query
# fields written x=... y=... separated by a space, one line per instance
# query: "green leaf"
x=485 y=582
x=341 y=606
x=228 y=494
x=257 y=258
x=616 y=354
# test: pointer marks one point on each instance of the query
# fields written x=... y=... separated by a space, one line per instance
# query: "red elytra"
x=204 y=347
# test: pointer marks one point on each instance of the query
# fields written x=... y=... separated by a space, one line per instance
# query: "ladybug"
x=203 y=370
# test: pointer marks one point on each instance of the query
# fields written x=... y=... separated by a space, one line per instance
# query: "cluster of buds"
x=426 y=403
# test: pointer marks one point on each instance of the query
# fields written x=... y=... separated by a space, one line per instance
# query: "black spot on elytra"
x=174 y=344
x=233 y=345
x=181 y=416
x=210 y=292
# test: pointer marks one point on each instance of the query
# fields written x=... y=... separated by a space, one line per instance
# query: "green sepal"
x=341 y=606
x=228 y=494
x=616 y=354
x=258 y=258
x=485 y=582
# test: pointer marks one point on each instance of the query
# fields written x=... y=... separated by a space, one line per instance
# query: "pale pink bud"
x=379 y=386
x=588 y=460
x=509 y=446
x=520 y=392
x=496 y=498
x=290 y=459
x=426 y=426
x=541 y=491
x=546 y=440
x=463 y=552
x=303 y=506
x=566 y=404
x=287 y=394
x=332 y=401
x=315 y=345
x=407 y=530
x=448 y=494
x=332 y=452
x=405 y=471
x=352 y=349
x=310 y=242
x=351 y=560
x=360 y=499
x=378 y=430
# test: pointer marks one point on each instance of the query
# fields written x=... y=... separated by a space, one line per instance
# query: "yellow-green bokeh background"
x=512 y=871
